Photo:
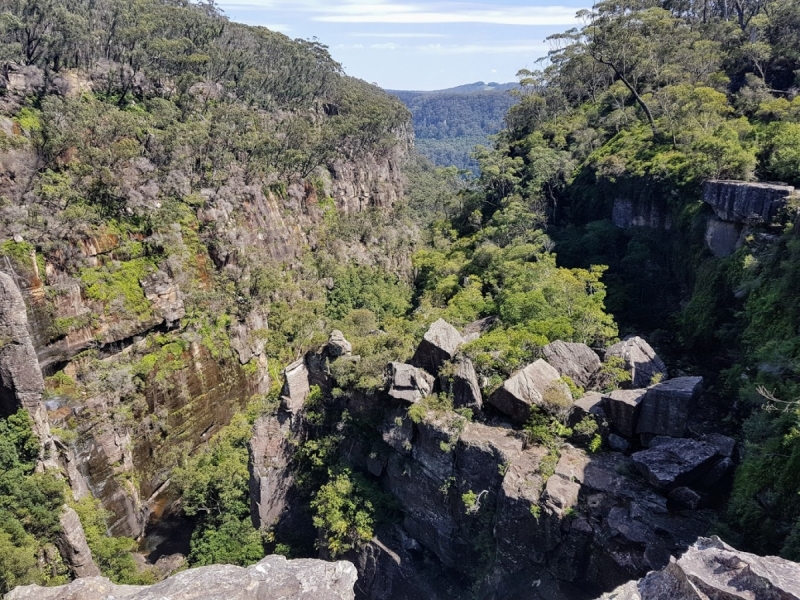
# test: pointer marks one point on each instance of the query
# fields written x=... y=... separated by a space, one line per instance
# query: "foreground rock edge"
x=710 y=568
x=273 y=578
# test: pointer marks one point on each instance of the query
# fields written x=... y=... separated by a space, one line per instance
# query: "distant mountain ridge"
x=449 y=123
x=467 y=88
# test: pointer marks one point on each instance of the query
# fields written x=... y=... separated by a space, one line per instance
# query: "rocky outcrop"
x=338 y=345
x=271 y=479
x=640 y=360
x=466 y=389
x=296 y=386
x=273 y=578
x=746 y=203
x=73 y=546
x=623 y=408
x=674 y=462
x=408 y=384
x=439 y=345
x=710 y=568
x=666 y=407
x=21 y=383
x=576 y=361
x=537 y=384
x=167 y=300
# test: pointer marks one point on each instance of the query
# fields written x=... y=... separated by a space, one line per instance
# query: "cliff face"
x=483 y=507
x=107 y=302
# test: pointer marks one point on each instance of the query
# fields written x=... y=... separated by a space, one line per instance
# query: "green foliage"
x=345 y=511
x=113 y=555
x=368 y=288
x=118 y=287
x=214 y=489
x=448 y=124
x=30 y=505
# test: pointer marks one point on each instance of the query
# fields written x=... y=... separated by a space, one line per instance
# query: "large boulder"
x=537 y=384
x=675 y=462
x=710 y=568
x=439 y=345
x=73 y=545
x=408 y=384
x=622 y=407
x=666 y=406
x=338 y=344
x=640 y=360
x=296 y=386
x=746 y=202
x=576 y=361
x=273 y=578
x=466 y=389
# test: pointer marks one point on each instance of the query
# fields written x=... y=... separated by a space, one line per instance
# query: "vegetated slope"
x=164 y=177
x=188 y=218
x=449 y=123
x=613 y=141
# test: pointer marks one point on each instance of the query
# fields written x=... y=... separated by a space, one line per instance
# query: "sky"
x=416 y=44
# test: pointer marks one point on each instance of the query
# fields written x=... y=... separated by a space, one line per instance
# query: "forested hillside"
x=267 y=325
x=613 y=141
x=448 y=124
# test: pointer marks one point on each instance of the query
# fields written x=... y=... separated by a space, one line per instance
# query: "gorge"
x=241 y=319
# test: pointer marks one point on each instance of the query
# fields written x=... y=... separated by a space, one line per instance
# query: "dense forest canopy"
x=448 y=124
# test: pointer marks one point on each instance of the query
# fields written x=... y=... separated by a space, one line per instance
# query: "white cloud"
x=387 y=12
x=407 y=35
x=387 y=46
x=390 y=11
x=485 y=49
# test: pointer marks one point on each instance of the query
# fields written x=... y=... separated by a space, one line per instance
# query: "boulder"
x=439 y=345
x=745 y=202
x=572 y=464
x=273 y=578
x=622 y=407
x=477 y=328
x=338 y=345
x=576 y=361
x=711 y=568
x=618 y=443
x=640 y=360
x=560 y=494
x=296 y=386
x=466 y=390
x=590 y=404
x=675 y=462
x=73 y=545
x=686 y=496
x=408 y=384
x=666 y=406
x=537 y=384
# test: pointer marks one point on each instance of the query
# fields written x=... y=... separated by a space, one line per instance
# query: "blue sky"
x=418 y=45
